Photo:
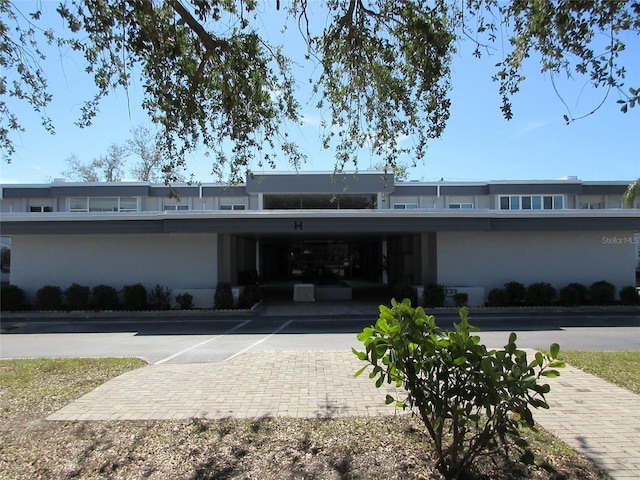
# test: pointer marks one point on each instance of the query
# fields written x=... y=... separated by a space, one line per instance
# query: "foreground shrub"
x=77 y=297
x=574 y=294
x=497 y=297
x=160 y=297
x=540 y=293
x=515 y=293
x=12 y=298
x=184 y=301
x=223 y=298
x=629 y=296
x=135 y=297
x=434 y=295
x=471 y=401
x=49 y=297
x=105 y=297
x=602 y=293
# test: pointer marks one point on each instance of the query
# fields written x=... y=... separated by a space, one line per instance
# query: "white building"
x=317 y=227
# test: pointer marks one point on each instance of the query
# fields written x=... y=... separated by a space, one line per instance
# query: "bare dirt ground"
x=391 y=447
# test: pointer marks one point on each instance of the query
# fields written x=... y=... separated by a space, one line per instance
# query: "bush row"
x=516 y=294
x=101 y=297
x=105 y=297
x=573 y=294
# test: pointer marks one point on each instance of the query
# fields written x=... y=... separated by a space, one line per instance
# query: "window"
x=174 y=208
x=103 y=204
x=532 y=202
x=591 y=205
x=226 y=206
x=319 y=201
x=405 y=206
x=40 y=209
x=461 y=205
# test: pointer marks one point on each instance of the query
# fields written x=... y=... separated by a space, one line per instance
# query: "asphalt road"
x=201 y=339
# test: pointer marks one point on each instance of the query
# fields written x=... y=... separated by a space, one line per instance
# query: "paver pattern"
x=257 y=384
x=596 y=418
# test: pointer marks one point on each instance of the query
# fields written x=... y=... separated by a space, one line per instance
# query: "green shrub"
x=602 y=293
x=515 y=293
x=250 y=296
x=223 y=298
x=105 y=297
x=49 y=297
x=471 y=400
x=160 y=297
x=434 y=295
x=574 y=294
x=460 y=299
x=540 y=293
x=401 y=291
x=185 y=301
x=77 y=296
x=12 y=298
x=629 y=296
x=497 y=297
x=135 y=297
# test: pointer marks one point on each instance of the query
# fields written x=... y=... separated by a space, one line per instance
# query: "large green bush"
x=12 y=298
x=471 y=400
x=540 y=293
x=105 y=297
x=49 y=297
x=574 y=294
x=135 y=297
x=602 y=293
x=77 y=297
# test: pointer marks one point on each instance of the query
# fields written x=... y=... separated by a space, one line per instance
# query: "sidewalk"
x=596 y=418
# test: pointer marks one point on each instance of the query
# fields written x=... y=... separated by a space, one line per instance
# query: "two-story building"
x=319 y=228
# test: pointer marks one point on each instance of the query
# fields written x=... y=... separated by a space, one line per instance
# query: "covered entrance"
x=321 y=261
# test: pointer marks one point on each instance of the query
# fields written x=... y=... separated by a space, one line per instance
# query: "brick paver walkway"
x=596 y=418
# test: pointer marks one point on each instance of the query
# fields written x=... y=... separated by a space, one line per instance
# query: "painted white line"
x=171 y=357
x=262 y=340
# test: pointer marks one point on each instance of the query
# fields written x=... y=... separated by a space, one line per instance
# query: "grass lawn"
x=621 y=368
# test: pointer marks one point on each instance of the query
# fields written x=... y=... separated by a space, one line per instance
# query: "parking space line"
x=193 y=347
x=262 y=340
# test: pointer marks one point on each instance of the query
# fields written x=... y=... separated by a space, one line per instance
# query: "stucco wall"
x=174 y=261
x=491 y=259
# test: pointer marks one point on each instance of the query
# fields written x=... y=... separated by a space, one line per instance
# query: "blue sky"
x=478 y=144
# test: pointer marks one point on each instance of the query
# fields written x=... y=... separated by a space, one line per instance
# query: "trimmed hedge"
x=49 y=297
x=105 y=297
x=12 y=298
x=77 y=297
x=629 y=296
x=602 y=293
x=574 y=294
x=135 y=297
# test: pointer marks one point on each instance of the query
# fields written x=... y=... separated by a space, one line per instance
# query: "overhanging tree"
x=212 y=78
